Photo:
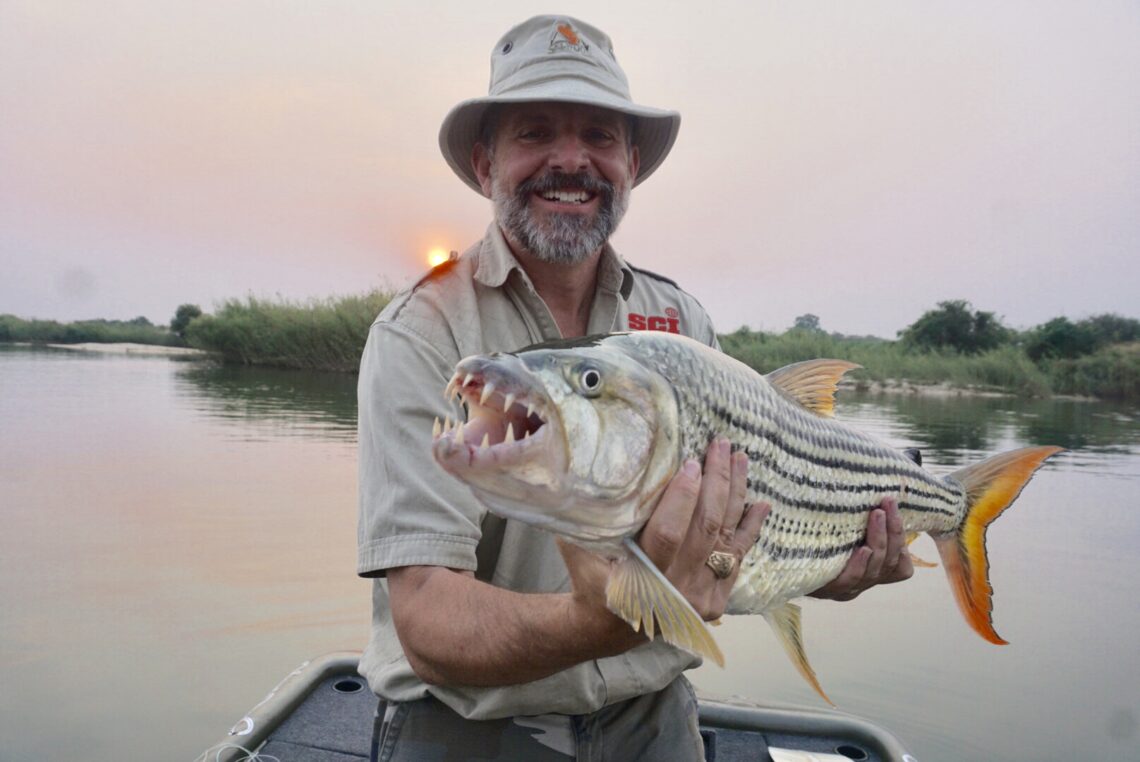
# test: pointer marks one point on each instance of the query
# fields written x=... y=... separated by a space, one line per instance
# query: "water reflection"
x=952 y=429
x=261 y=402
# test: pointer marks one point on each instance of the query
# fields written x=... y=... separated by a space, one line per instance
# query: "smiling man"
x=487 y=642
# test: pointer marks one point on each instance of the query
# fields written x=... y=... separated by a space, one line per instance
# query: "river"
x=176 y=536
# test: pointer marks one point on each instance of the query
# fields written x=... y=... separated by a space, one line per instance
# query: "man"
x=485 y=638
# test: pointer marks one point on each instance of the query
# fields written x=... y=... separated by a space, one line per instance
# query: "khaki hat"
x=556 y=58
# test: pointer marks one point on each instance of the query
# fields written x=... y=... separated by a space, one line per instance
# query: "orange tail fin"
x=991 y=486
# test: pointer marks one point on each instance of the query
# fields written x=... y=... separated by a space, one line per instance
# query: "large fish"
x=581 y=437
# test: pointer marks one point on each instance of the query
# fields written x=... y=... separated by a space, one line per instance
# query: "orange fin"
x=915 y=560
x=991 y=486
x=785 y=621
x=812 y=383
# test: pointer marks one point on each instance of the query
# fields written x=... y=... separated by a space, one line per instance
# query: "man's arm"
x=457 y=630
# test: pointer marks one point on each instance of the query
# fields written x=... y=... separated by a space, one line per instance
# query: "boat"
x=323 y=712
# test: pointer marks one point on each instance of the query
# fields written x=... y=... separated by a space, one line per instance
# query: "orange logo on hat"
x=567 y=31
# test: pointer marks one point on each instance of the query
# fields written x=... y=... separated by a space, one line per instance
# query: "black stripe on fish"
x=814 y=505
x=803 y=480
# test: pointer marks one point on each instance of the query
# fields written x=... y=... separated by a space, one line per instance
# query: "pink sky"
x=859 y=161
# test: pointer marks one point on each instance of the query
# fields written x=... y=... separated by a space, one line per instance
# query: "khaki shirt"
x=413 y=513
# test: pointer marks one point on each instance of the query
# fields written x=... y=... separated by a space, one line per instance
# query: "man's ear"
x=634 y=164
x=481 y=163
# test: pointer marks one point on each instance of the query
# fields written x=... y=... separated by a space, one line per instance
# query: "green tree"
x=1061 y=338
x=183 y=316
x=954 y=326
x=807 y=322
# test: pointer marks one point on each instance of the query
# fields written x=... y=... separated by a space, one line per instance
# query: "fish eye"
x=590 y=380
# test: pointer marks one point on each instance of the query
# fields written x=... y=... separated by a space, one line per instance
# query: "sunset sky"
x=856 y=160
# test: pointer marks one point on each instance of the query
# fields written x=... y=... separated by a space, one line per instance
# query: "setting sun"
x=437 y=256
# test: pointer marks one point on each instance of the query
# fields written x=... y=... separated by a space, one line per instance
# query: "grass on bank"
x=1112 y=372
x=323 y=334
x=137 y=331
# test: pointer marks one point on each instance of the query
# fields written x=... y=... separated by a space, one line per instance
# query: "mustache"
x=560 y=181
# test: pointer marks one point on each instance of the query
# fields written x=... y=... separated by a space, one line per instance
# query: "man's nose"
x=569 y=154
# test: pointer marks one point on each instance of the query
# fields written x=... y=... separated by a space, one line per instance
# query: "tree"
x=807 y=322
x=1060 y=337
x=954 y=326
x=182 y=317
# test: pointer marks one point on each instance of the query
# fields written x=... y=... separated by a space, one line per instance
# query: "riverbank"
x=126 y=348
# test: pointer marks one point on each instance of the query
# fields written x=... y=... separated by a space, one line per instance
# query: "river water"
x=176 y=536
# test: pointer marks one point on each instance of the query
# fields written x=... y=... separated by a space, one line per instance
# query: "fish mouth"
x=510 y=419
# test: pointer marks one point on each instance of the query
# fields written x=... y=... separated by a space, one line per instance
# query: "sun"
x=437 y=256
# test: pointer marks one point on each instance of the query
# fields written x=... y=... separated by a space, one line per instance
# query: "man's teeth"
x=567 y=197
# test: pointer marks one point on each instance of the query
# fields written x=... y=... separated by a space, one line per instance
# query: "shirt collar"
x=496 y=261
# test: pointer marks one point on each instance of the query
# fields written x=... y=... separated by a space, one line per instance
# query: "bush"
x=324 y=334
x=954 y=326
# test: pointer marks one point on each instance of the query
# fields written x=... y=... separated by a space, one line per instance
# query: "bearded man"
x=484 y=638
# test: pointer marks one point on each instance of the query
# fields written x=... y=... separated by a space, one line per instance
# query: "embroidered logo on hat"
x=565 y=38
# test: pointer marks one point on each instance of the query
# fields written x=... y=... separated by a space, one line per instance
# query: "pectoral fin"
x=640 y=594
x=785 y=621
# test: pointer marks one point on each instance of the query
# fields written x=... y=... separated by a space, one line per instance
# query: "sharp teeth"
x=529 y=409
x=488 y=390
x=459 y=433
x=447 y=424
x=510 y=437
x=449 y=392
x=508 y=401
x=486 y=441
x=436 y=429
x=526 y=433
x=467 y=378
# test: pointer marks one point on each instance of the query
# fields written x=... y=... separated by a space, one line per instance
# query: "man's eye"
x=532 y=134
x=600 y=137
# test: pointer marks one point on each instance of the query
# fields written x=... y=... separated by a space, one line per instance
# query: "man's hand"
x=883 y=559
x=698 y=514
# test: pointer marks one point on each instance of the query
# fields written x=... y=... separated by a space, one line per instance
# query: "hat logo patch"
x=565 y=38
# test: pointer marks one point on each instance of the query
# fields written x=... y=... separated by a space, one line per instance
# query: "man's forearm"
x=457 y=630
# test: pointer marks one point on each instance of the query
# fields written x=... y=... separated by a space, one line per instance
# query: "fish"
x=580 y=438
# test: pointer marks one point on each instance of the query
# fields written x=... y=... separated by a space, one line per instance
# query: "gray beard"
x=567 y=239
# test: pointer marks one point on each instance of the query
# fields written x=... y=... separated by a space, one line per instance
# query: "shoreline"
x=126 y=348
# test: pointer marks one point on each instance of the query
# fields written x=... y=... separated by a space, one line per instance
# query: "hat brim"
x=656 y=128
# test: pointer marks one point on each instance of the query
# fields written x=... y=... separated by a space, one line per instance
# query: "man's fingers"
x=877 y=542
x=748 y=533
x=737 y=494
x=716 y=485
x=665 y=531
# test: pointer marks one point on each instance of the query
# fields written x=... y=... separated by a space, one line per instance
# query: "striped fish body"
x=581 y=438
x=821 y=476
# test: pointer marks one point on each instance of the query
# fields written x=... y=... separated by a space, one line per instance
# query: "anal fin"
x=640 y=594
x=785 y=621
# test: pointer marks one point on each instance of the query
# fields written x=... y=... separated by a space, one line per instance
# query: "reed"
x=137 y=331
x=1006 y=368
x=325 y=334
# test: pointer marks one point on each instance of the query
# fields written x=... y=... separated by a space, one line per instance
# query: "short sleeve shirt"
x=413 y=513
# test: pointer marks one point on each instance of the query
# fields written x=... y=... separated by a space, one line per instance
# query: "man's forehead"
x=549 y=111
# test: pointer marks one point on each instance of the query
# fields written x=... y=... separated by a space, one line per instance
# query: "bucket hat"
x=556 y=58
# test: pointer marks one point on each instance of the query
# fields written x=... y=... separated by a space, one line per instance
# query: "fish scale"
x=820 y=476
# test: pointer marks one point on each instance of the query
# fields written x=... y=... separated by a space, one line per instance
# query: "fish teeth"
x=510 y=437
x=507 y=402
x=447 y=424
x=436 y=428
x=529 y=409
x=467 y=379
x=450 y=392
x=488 y=390
x=459 y=433
x=486 y=441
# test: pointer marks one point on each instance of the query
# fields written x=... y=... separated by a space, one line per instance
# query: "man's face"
x=559 y=176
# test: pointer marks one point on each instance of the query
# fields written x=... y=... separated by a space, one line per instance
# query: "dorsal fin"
x=812 y=383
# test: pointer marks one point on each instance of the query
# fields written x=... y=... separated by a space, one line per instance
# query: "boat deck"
x=322 y=712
